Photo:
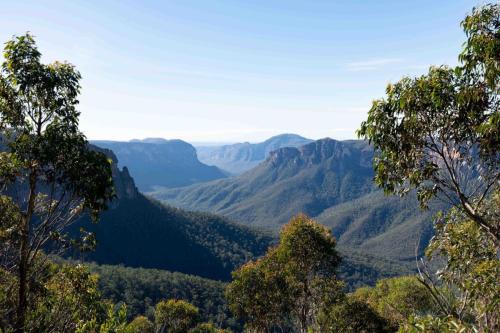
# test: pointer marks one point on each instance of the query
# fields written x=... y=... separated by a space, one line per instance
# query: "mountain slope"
x=240 y=157
x=159 y=162
x=389 y=226
x=142 y=233
x=306 y=179
x=328 y=180
x=139 y=232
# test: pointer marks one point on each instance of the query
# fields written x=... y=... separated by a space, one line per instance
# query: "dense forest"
x=141 y=289
x=172 y=239
x=433 y=139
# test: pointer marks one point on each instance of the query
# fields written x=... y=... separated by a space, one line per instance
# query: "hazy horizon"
x=234 y=71
x=213 y=143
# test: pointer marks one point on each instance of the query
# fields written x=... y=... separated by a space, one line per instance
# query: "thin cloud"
x=372 y=64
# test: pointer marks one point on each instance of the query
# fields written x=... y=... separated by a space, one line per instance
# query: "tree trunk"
x=22 y=305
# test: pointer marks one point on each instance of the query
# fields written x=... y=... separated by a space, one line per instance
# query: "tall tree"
x=48 y=174
x=439 y=133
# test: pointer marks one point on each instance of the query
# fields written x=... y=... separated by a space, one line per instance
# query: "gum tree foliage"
x=207 y=328
x=259 y=294
x=291 y=284
x=140 y=324
x=66 y=299
x=175 y=316
x=352 y=316
x=471 y=267
x=440 y=133
x=48 y=175
x=396 y=299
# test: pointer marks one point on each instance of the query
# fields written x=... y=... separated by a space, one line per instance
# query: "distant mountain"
x=139 y=232
x=151 y=140
x=308 y=179
x=326 y=179
x=240 y=157
x=159 y=162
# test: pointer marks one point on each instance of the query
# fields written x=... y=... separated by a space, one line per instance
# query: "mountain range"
x=138 y=231
x=326 y=179
x=240 y=157
x=159 y=162
x=307 y=179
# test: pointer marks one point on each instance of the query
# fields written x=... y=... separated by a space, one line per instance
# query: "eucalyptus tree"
x=440 y=133
x=140 y=324
x=48 y=175
x=175 y=316
x=287 y=289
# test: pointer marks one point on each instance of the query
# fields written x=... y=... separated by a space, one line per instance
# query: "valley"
x=238 y=167
x=138 y=231
x=326 y=179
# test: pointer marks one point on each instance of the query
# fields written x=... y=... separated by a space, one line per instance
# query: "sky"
x=232 y=71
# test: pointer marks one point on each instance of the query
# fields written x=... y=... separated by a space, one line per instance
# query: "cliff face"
x=138 y=232
x=161 y=163
x=306 y=179
x=124 y=184
x=329 y=180
x=320 y=151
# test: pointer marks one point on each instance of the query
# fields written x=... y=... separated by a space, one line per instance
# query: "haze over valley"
x=250 y=166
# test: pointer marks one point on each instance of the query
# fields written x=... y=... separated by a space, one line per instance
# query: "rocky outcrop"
x=306 y=179
x=124 y=184
x=319 y=151
x=161 y=163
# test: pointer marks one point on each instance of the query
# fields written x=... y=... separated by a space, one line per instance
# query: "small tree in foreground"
x=352 y=316
x=291 y=284
x=66 y=299
x=175 y=316
x=398 y=298
x=140 y=324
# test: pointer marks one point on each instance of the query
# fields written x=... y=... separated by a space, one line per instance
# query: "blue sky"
x=226 y=71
